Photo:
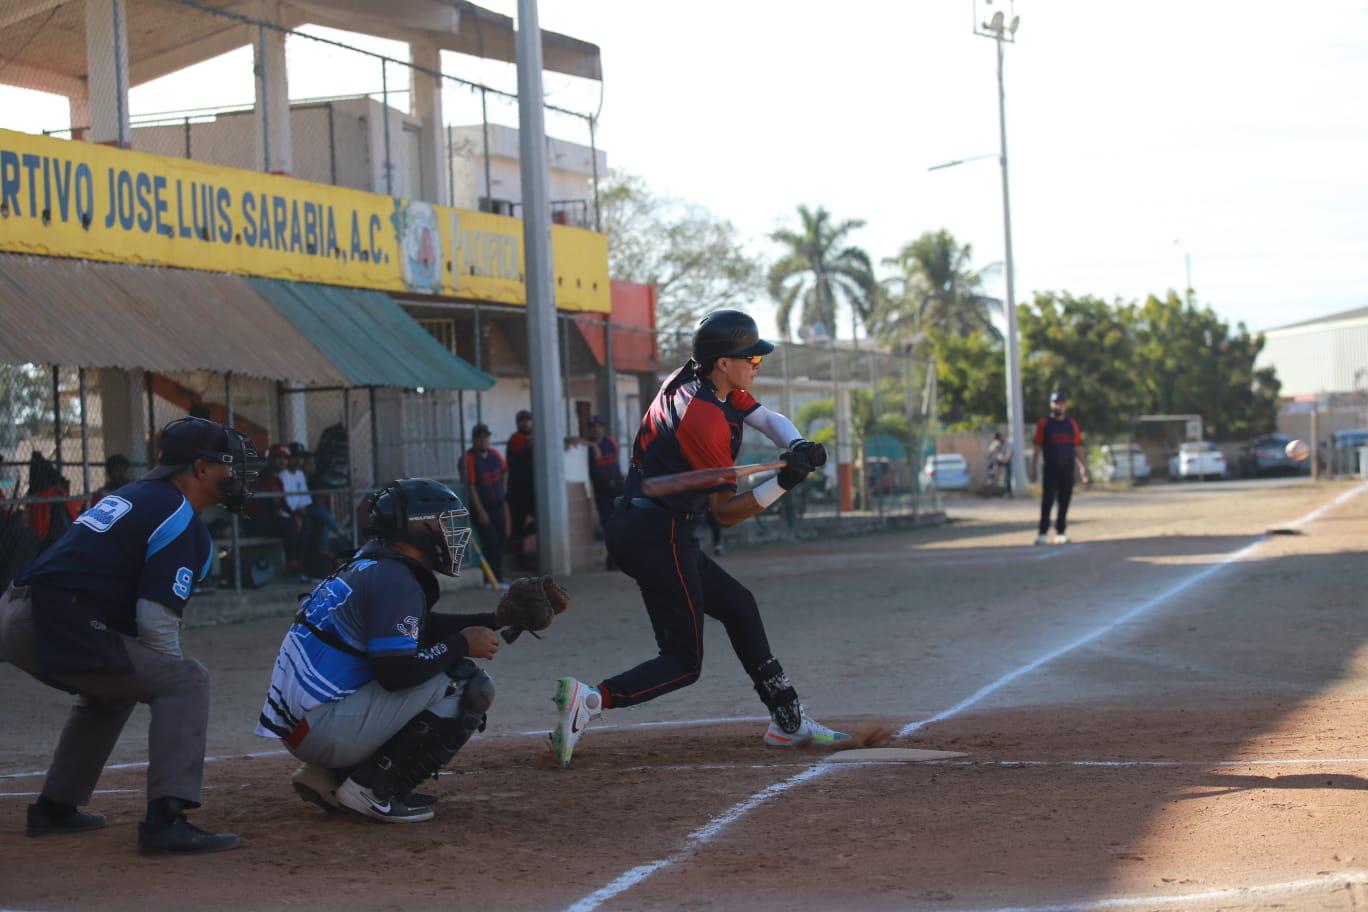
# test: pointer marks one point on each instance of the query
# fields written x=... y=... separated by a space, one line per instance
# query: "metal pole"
x=593 y=167
x=85 y=433
x=375 y=441
x=125 y=129
x=836 y=421
x=151 y=422
x=351 y=469
x=57 y=415
x=1187 y=261
x=1315 y=444
x=451 y=169
x=237 y=551
x=265 y=103
x=187 y=138
x=484 y=120
x=563 y=330
x=384 y=96
x=479 y=365
x=612 y=377
x=553 y=520
x=1015 y=413
x=332 y=148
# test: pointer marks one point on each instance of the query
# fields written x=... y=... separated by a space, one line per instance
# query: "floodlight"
x=1012 y=26
x=995 y=24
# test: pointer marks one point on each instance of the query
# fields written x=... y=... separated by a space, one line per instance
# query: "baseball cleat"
x=1042 y=539
x=810 y=733
x=317 y=785
x=357 y=797
x=579 y=704
x=1061 y=539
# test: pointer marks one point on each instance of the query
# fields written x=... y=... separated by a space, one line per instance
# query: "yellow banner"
x=76 y=199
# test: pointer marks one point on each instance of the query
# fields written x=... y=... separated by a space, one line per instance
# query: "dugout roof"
x=81 y=314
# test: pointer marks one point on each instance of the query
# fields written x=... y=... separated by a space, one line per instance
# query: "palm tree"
x=934 y=289
x=819 y=271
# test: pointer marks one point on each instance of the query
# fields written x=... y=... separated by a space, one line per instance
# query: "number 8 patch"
x=184 y=580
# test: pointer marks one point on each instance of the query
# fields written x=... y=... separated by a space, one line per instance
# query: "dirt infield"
x=1169 y=712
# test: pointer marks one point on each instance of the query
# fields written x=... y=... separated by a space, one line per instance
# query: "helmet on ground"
x=425 y=514
x=728 y=334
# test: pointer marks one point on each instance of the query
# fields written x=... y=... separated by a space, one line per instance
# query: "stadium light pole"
x=548 y=461
x=1187 y=262
x=1001 y=27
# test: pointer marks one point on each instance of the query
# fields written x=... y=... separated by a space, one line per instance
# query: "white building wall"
x=571 y=167
x=1321 y=358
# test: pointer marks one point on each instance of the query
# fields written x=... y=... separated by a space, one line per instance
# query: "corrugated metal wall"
x=1319 y=359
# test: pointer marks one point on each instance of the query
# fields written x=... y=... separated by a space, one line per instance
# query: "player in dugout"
x=99 y=614
x=696 y=421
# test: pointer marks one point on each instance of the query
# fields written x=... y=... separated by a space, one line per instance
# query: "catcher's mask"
x=425 y=514
x=187 y=439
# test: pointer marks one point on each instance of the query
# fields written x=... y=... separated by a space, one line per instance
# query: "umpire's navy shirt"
x=143 y=541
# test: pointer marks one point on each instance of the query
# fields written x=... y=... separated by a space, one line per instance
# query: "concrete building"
x=1323 y=367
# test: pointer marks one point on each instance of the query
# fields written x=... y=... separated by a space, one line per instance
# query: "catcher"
x=372 y=689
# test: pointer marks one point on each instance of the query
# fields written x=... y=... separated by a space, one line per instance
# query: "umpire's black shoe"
x=181 y=837
x=46 y=817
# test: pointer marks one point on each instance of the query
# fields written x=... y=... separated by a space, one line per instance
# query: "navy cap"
x=596 y=419
x=479 y=429
x=186 y=439
x=522 y=413
x=1059 y=396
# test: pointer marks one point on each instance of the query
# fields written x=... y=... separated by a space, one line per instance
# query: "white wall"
x=1321 y=358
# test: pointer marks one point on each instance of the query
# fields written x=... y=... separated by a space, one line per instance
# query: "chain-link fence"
x=276 y=91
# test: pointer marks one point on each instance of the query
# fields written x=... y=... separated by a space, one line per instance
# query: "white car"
x=947 y=471
x=1197 y=460
x=1125 y=462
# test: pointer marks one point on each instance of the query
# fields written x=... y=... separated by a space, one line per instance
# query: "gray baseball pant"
x=176 y=690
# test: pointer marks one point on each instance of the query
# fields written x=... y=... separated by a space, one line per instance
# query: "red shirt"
x=688 y=427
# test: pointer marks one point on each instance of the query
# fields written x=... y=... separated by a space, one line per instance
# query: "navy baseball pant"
x=680 y=586
x=1058 y=482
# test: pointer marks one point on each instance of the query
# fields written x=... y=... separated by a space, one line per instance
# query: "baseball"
x=1298 y=450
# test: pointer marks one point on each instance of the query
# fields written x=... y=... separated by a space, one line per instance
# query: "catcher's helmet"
x=728 y=334
x=184 y=440
x=425 y=514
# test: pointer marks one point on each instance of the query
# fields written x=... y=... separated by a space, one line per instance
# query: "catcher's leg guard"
x=778 y=694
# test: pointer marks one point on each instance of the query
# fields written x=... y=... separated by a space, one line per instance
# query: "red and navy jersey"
x=485 y=473
x=520 y=460
x=605 y=471
x=1057 y=438
x=688 y=427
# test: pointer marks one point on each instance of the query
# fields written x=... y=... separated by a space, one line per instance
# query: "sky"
x=1231 y=133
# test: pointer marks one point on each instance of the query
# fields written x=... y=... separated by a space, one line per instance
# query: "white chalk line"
x=698 y=837
x=1307 y=884
x=536 y=732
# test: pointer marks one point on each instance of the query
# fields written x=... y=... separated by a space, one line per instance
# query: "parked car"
x=1344 y=445
x=947 y=471
x=1125 y=462
x=1197 y=460
x=1268 y=456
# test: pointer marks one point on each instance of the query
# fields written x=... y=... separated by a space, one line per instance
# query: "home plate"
x=892 y=755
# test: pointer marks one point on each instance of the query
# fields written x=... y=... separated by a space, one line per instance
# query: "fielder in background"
x=485 y=474
x=1058 y=448
x=99 y=614
x=372 y=689
x=605 y=475
x=696 y=422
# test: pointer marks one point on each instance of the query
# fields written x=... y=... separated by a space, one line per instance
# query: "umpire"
x=98 y=615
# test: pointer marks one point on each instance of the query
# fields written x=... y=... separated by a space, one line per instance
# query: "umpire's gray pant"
x=176 y=690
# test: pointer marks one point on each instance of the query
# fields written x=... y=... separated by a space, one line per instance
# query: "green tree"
x=1188 y=361
x=1086 y=347
x=696 y=261
x=818 y=271
x=935 y=290
x=970 y=380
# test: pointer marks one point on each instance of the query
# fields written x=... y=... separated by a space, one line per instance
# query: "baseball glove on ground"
x=530 y=603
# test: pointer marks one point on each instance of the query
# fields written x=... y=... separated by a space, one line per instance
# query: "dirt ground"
x=1169 y=713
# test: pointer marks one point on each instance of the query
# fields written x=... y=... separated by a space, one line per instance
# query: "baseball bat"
x=702 y=478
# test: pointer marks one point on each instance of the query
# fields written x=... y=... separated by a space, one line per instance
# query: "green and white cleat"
x=810 y=733
x=579 y=704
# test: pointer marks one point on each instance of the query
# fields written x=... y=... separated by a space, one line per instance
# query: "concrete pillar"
x=426 y=100
x=79 y=106
x=274 y=147
x=123 y=414
x=296 y=418
x=106 y=25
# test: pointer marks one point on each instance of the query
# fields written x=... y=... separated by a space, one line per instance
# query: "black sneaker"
x=181 y=837
x=44 y=822
x=365 y=802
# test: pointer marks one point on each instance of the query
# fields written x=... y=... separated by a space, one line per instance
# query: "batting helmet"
x=728 y=334
x=425 y=514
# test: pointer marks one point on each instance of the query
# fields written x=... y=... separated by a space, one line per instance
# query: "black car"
x=1268 y=456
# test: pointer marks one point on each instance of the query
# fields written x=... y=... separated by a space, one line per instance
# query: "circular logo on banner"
x=421 y=247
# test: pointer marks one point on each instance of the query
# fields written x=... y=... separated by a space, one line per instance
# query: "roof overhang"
x=166 y=37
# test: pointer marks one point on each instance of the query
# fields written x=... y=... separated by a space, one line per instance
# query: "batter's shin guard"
x=777 y=693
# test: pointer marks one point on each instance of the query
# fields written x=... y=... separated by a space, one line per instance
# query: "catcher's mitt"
x=530 y=603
